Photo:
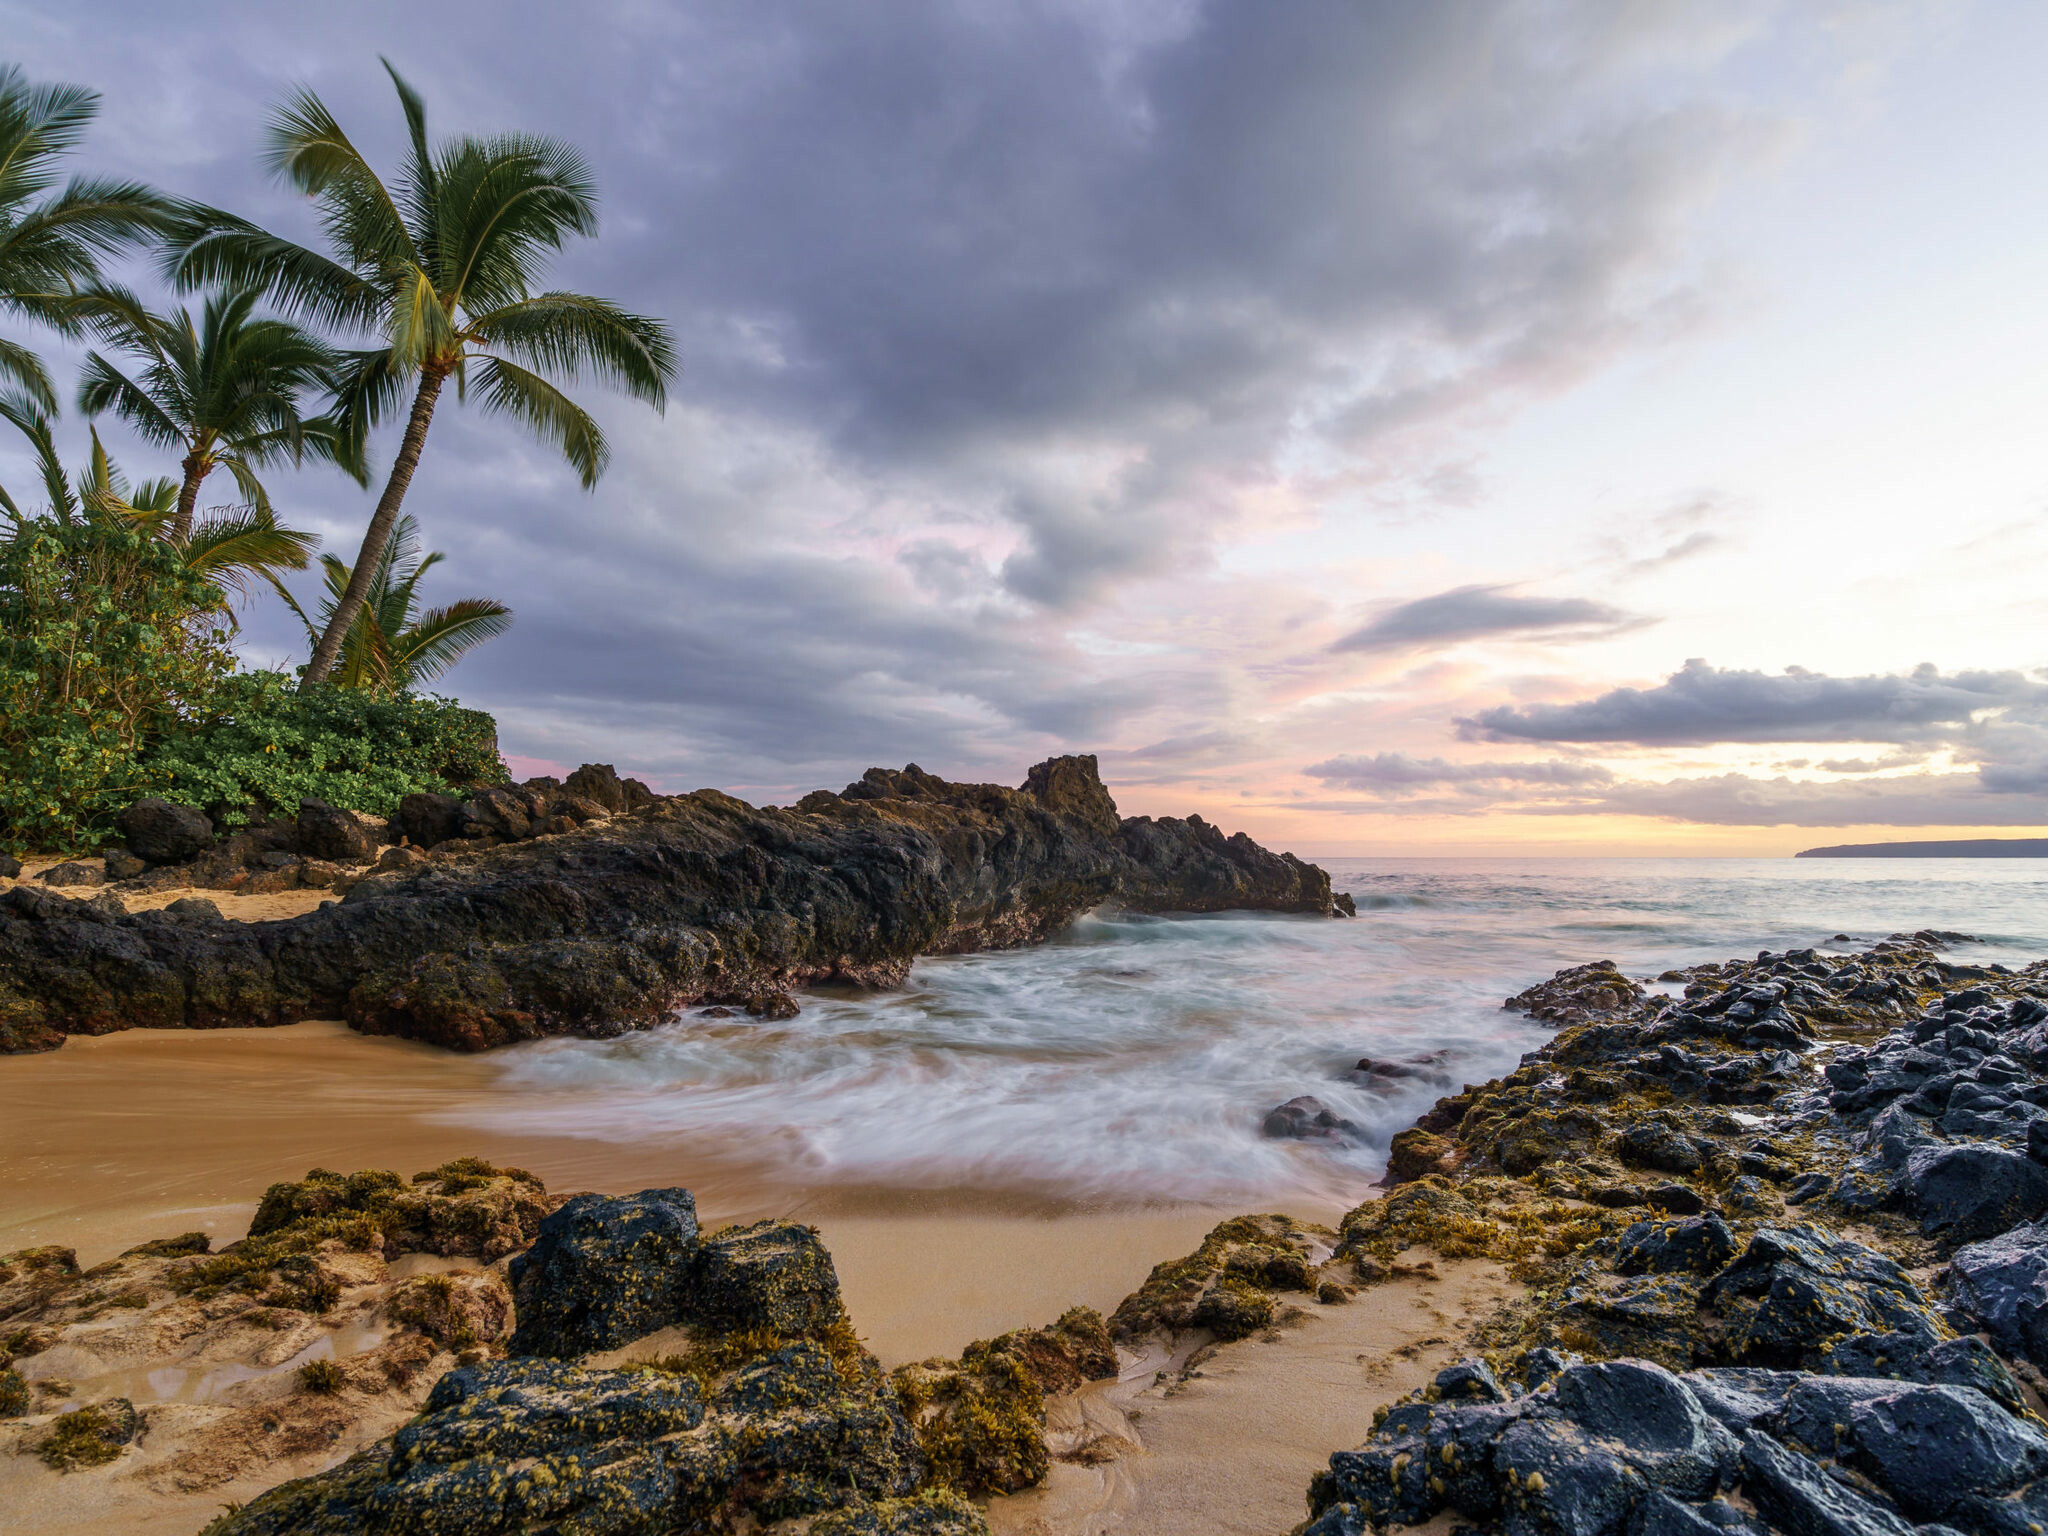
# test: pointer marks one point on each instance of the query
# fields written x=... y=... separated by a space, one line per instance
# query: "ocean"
x=1131 y=1061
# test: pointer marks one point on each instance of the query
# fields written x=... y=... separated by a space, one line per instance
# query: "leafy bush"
x=265 y=744
x=107 y=639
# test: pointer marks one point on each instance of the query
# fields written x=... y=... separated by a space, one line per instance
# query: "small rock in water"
x=1308 y=1118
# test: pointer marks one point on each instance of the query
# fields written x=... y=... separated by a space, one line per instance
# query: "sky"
x=1476 y=427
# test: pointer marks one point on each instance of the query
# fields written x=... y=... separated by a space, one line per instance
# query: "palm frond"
x=233 y=547
x=23 y=370
x=549 y=414
x=442 y=636
x=571 y=333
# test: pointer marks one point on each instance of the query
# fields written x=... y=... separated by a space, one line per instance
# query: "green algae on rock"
x=981 y=1419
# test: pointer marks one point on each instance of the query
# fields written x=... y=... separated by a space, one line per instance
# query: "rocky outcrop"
x=616 y=923
x=771 y=1410
x=1730 y=1210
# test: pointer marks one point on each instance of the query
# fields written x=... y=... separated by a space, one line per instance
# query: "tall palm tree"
x=225 y=389
x=232 y=548
x=442 y=263
x=50 y=247
x=391 y=646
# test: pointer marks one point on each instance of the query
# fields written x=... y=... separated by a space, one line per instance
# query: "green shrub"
x=265 y=744
x=107 y=639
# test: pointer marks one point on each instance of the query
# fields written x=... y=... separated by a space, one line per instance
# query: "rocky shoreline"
x=1777 y=1238
x=541 y=910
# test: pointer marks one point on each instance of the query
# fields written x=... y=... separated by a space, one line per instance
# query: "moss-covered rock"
x=981 y=1419
x=937 y=1513
x=89 y=1437
x=1254 y=1254
x=461 y=1311
x=13 y=1394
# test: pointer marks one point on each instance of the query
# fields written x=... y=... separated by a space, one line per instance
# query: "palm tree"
x=392 y=647
x=443 y=264
x=224 y=390
x=50 y=247
x=231 y=548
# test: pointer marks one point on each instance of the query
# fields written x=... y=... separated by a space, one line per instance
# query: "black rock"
x=1796 y=1289
x=328 y=832
x=1308 y=1118
x=165 y=832
x=1737 y=1396
x=428 y=820
x=1964 y=1362
x=74 y=873
x=1974 y=1190
x=1662 y=1146
x=1698 y=1246
x=1469 y=1381
x=1932 y=1448
x=2002 y=1283
x=774 y=1275
x=604 y=1270
x=121 y=864
x=1800 y=1499
x=10 y=867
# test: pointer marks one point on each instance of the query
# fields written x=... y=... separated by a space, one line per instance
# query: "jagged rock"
x=75 y=872
x=1071 y=786
x=330 y=833
x=1964 y=1362
x=1937 y=1448
x=120 y=863
x=1797 y=1497
x=1660 y=1144
x=611 y=928
x=1975 y=1189
x=1578 y=992
x=428 y=820
x=165 y=832
x=1415 y=1152
x=2002 y=1285
x=774 y=1275
x=604 y=1270
x=1697 y=1246
x=1308 y=1118
x=598 y=783
x=1795 y=1289
x=1655 y=1317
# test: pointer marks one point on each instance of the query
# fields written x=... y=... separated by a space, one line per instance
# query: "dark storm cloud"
x=1033 y=297
x=1475 y=613
x=1700 y=705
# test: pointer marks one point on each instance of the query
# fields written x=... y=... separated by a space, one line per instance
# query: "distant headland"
x=1952 y=848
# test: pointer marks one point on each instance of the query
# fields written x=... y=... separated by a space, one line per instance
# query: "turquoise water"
x=1134 y=1058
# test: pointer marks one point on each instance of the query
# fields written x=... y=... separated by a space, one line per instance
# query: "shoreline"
x=149 y=1132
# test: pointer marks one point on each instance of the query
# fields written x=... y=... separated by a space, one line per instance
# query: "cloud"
x=990 y=315
x=1395 y=773
x=1701 y=705
x=1738 y=800
x=1480 y=612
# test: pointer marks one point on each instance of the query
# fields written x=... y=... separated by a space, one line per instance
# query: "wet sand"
x=111 y=1141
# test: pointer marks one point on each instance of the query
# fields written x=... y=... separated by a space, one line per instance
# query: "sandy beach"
x=113 y=1141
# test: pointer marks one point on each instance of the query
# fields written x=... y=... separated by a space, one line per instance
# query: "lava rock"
x=774 y=1275
x=1661 y=1145
x=428 y=820
x=1974 y=1190
x=1795 y=1289
x=165 y=832
x=120 y=863
x=74 y=873
x=1698 y=1246
x=1797 y=1497
x=1964 y=1362
x=10 y=867
x=2002 y=1284
x=598 y=783
x=604 y=1270
x=330 y=833
x=1933 y=1447
x=1308 y=1118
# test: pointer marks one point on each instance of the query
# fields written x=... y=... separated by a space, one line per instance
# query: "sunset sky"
x=1462 y=427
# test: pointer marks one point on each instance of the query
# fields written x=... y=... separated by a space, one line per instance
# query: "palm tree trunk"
x=195 y=467
x=378 y=534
